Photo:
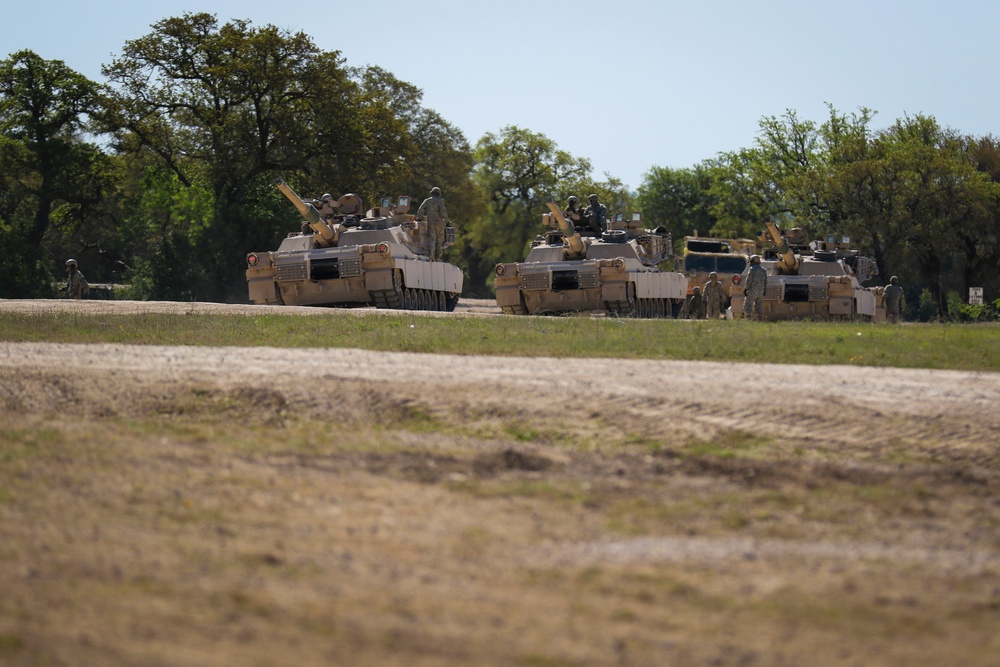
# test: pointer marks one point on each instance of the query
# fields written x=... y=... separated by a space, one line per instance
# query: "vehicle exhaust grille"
x=535 y=281
x=291 y=272
x=350 y=267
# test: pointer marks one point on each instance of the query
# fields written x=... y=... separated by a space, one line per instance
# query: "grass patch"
x=730 y=445
x=940 y=346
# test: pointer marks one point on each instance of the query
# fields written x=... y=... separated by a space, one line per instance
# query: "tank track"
x=414 y=299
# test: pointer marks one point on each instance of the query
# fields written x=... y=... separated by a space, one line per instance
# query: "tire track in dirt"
x=842 y=404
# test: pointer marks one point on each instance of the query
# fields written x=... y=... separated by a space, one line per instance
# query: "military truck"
x=343 y=258
x=818 y=280
x=569 y=270
x=704 y=255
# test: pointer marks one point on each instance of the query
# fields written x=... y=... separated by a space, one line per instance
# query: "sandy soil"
x=746 y=561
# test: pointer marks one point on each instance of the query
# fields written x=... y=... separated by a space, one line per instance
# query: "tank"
x=342 y=257
x=818 y=280
x=615 y=273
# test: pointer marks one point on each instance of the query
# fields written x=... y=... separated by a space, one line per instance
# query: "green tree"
x=516 y=172
x=225 y=108
x=679 y=200
x=52 y=181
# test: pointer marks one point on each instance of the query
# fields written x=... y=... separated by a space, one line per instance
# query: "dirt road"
x=210 y=506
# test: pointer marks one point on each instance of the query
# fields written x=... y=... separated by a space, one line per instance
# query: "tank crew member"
x=327 y=206
x=76 y=285
x=572 y=212
x=754 y=290
x=597 y=215
x=894 y=300
x=696 y=305
x=713 y=296
x=433 y=211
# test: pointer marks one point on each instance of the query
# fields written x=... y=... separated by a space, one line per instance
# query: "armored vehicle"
x=818 y=280
x=615 y=272
x=343 y=258
x=706 y=255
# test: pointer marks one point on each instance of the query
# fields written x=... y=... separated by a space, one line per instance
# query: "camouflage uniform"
x=756 y=284
x=432 y=209
x=572 y=212
x=696 y=305
x=894 y=300
x=76 y=285
x=597 y=215
x=713 y=296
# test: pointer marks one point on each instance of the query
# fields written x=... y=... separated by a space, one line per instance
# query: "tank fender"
x=378 y=279
x=614 y=291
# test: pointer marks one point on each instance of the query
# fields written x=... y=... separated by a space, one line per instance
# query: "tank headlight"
x=619 y=263
x=501 y=269
x=383 y=248
x=252 y=259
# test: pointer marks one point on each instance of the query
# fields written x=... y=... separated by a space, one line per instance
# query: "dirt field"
x=262 y=506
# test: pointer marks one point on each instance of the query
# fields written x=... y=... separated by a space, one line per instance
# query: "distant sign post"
x=975 y=296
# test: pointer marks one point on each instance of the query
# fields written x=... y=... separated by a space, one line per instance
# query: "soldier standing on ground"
x=894 y=300
x=433 y=211
x=597 y=215
x=713 y=296
x=754 y=291
x=76 y=285
x=696 y=305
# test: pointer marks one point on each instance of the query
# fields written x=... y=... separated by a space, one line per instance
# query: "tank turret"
x=573 y=241
x=326 y=235
x=788 y=263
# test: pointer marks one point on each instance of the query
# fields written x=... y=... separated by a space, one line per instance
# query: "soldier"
x=713 y=296
x=597 y=215
x=754 y=289
x=894 y=300
x=326 y=206
x=696 y=305
x=433 y=211
x=76 y=285
x=571 y=212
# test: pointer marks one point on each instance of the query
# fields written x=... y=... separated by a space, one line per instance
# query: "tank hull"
x=619 y=286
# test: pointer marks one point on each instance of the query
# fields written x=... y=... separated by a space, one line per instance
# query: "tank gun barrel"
x=787 y=261
x=308 y=212
x=567 y=228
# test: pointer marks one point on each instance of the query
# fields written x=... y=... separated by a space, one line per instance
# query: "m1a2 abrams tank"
x=615 y=273
x=818 y=280
x=343 y=258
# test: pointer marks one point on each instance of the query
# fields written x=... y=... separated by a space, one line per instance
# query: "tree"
x=516 y=172
x=52 y=180
x=225 y=108
x=679 y=199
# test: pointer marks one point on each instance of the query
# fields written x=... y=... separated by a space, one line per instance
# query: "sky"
x=628 y=84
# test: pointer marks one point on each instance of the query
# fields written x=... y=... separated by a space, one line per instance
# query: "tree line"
x=162 y=177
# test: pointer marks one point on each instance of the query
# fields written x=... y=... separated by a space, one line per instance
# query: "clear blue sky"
x=628 y=84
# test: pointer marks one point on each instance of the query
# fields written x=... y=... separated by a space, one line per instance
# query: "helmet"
x=697 y=290
x=592 y=197
x=70 y=262
x=755 y=259
x=713 y=275
x=326 y=197
x=435 y=191
x=572 y=199
x=894 y=280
